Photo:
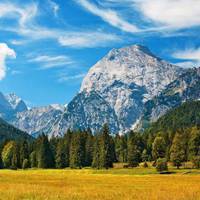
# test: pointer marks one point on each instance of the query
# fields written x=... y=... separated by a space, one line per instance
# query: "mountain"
x=184 y=116
x=10 y=105
x=9 y=132
x=186 y=87
x=128 y=77
x=90 y=110
x=39 y=120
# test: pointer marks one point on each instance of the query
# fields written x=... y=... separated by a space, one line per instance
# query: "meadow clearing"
x=88 y=184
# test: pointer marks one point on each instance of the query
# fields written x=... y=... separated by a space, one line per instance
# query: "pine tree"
x=45 y=156
x=24 y=151
x=76 y=153
x=106 y=154
x=60 y=158
x=177 y=150
x=89 y=148
x=194 y=143
x=158 y=148
x=67 y=144
x=96 y=163
x=133 y=150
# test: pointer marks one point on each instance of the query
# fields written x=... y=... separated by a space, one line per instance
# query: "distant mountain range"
x=127 y=89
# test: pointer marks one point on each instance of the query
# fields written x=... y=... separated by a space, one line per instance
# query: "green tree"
x=161 y=165
x=9 y=155
x=158 y=148
x=89 y=148
x=134 y=153
x=96 y=162
x=24 y=151
x=67 y=144
x=45 y=155
x=177 y=150
x=106 y=148
x=60 y=158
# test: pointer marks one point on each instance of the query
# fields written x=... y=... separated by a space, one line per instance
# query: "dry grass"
x=116 y=184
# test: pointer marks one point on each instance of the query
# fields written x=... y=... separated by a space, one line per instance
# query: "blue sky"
x=47 y=46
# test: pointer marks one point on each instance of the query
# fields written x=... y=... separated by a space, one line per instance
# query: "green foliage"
x=60 y=158
x=9 y=156
x=134 y=153
x=196 y=161
x=158 y=148
x=45 y=155
x=161 y=165
x=178 y=150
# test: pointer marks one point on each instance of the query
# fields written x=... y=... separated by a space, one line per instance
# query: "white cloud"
x=70 y=78
x=5 y=52
x=171 y=14
x=190 y=56
x=52 y=61
x=110 y=16
x=28 y=28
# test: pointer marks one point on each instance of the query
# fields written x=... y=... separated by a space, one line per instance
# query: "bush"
x=161 y=165
x=25 y=164
x=196 y=162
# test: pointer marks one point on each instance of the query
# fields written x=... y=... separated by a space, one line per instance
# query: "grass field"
x=87 y=184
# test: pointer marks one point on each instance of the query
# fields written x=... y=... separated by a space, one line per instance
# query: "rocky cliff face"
x=186 y=87
x=128 y=77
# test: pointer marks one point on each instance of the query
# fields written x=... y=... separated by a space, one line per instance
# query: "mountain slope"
x=128 y=77
x=184 y=116
x=38 y=120
x=185 y=87
x=9 y=132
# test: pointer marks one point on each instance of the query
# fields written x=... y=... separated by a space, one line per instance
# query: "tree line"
x=78 y=149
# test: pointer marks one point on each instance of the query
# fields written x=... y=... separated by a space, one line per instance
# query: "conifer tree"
x=45 y=156
x=33 y=159
x=106 y=154
x=60 y=158
x=76 y=153
x=177 y=150
x=133 y=150
x=67 y=144
x=24 y=151
x=96 y=163
x=89 y=148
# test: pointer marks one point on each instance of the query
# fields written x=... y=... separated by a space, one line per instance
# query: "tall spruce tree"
x=24 y=151
x=67 y=144
x=89 y=148
x=96 y=162
x=45 y=155
x=106 y=150
x=60 y=158
x=134 y=154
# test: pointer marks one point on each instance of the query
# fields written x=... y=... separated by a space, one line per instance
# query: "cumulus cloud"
x=172 y=14
x=5 y=52
x=110 y=16
x=190 y=57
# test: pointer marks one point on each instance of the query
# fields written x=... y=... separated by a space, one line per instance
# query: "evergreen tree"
x=45 y=155
x=158 y=148
x=106 y=154
x=194 y=143
x=96 y=162
x=177 y=150
x=133 y=150
x=89 y=148
x=60 y=158
x=67 y=144
x=24 y=151
x=76 y=153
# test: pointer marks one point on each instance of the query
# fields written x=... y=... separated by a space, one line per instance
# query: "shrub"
x=161 y=165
